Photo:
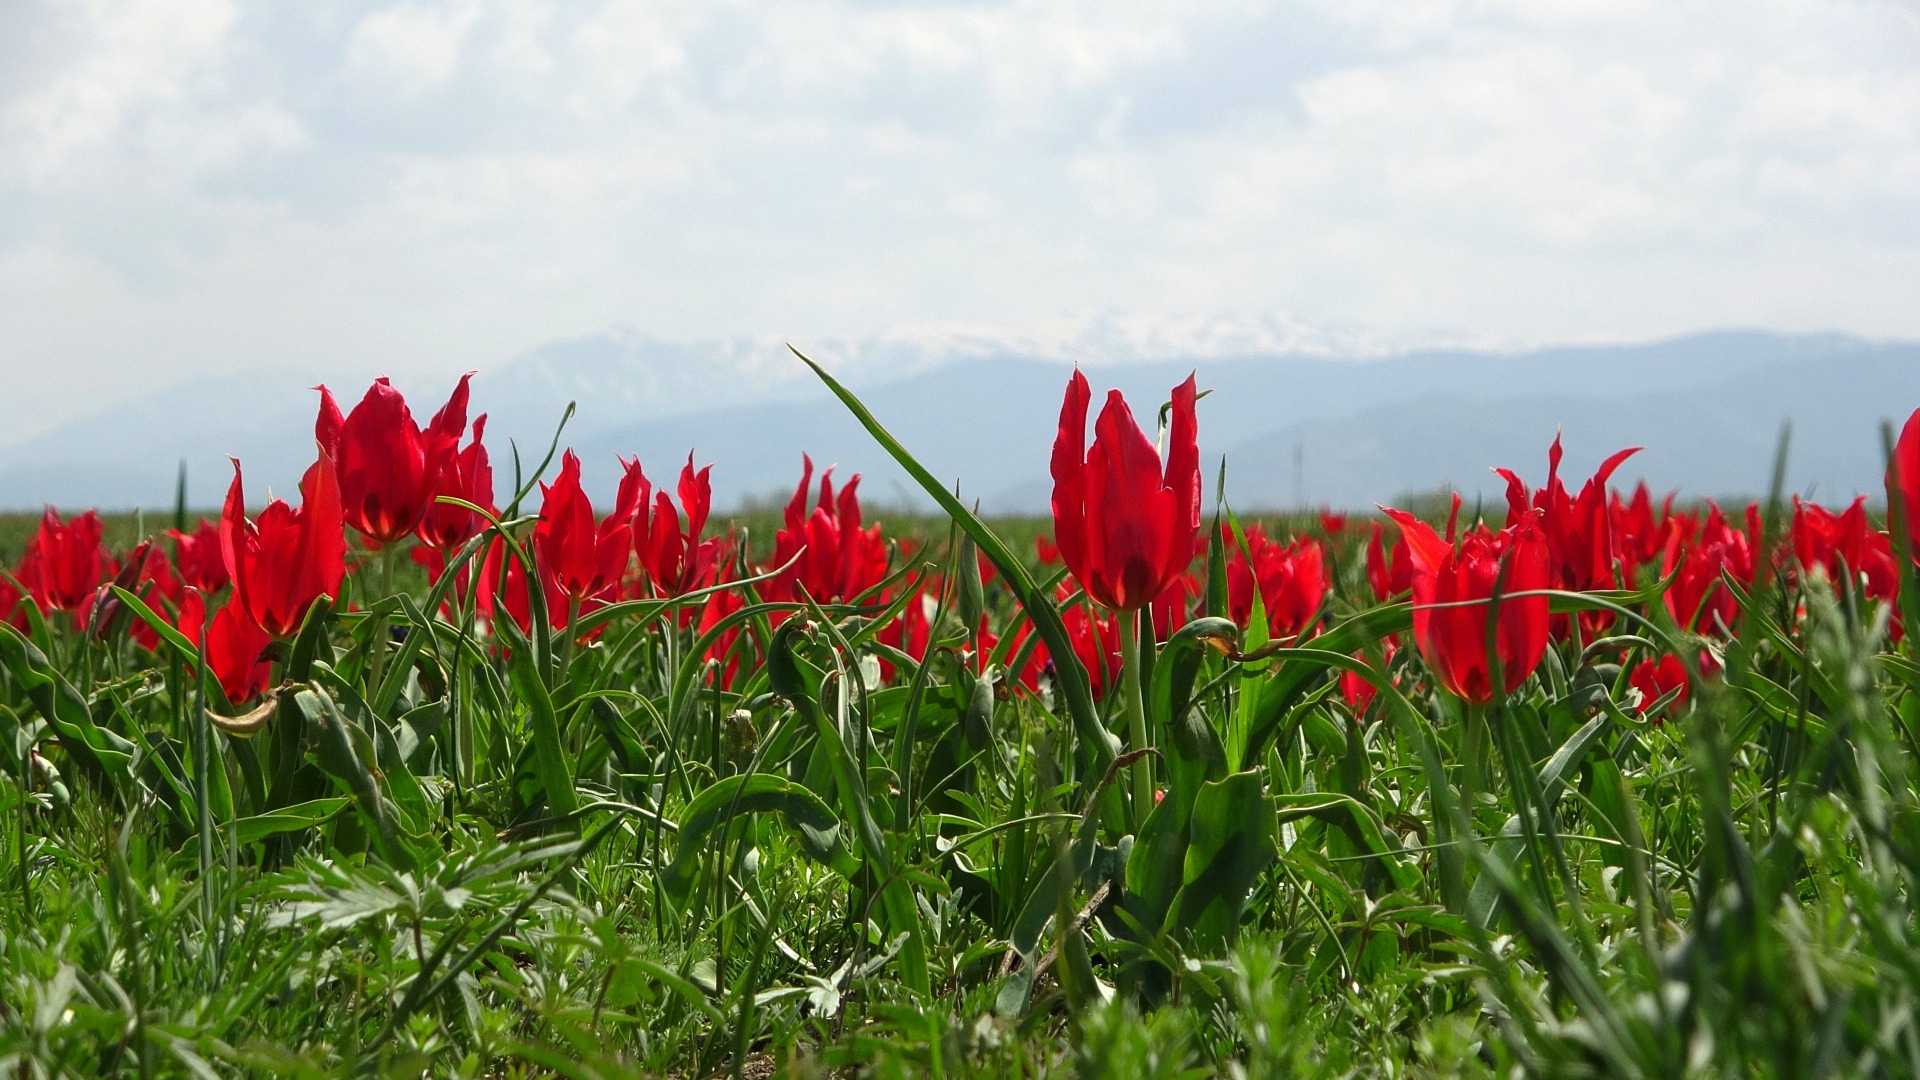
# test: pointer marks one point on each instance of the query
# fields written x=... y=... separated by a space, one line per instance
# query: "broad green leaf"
x=103 y=755
x=821 y=835
x=306 y=815
x=1233 y=841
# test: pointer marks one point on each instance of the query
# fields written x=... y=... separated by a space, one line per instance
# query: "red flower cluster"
x=581 y=560
x=66 y=568
x=1291 y=579
x=1126 y=521
x=1700 y=550
x=1639 y=535
x=65 y=562
x=832 y=557
x=200 y=559
x=672 y=554
x=1095 y=637
x=1845 y=548
x=1582 y=552
x=1655 y=679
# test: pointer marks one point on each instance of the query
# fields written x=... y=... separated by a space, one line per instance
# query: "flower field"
x=434 y=769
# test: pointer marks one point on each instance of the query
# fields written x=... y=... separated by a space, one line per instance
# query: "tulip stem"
x=1136 y=706
x=1473 y=754
x=565 y=660
x=377 y=637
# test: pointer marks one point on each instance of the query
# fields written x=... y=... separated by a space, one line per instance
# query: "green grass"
x=810 y=873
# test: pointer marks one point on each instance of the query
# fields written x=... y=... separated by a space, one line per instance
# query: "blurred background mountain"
x=1297 y=428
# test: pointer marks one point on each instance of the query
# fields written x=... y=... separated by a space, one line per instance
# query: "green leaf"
x=397 y=781
x=836 y=745
x=1234 y=839
x=311 y=643
x=1361 y=824
x=1170 y=699
x=551 y=761
x=345 y=752
x=1099 y=743
x=1483 y=900
x=821 y=834
x=971 y=596
x=306 y=815
x=159 y=624
x=103 y=755
x=1193 y=754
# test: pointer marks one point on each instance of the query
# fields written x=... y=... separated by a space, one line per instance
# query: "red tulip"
x=1172 y=608
x=674 y=557
x=837 y=559
x=581 y=561
x=1701 y=551
x=465 y=475
x=1096 y=643
x=1638 y=534
x=1388 y=575
x=148 y=575
x=1903 y=481
x=96 y=612
x=386 y=467
x=1126 y=528
x=504 y=589
x=1846 y=547
x=1095 y=637
x=1450 y=628
x=460 y=590
x=190 y=614
x=64 y=562
x=198 y=557
x=1360 y=692
x=234 y=649
x=284 y=560
x=1292 y=580
x=1045 y=551
x=724 y=651
x=1578 y=531
x=10 y=611
x=912 y=632
x=1654 y=679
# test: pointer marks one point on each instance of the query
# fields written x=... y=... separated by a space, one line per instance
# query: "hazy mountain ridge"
x=1708 y=406
x=1718 y=442
x=989 y=424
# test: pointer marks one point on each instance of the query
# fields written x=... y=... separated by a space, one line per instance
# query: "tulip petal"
x=1069 y=476
x=1130 y=512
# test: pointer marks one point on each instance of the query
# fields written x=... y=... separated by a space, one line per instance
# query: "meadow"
x=446 y=772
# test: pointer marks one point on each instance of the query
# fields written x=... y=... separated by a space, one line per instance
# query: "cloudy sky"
x=201 y=186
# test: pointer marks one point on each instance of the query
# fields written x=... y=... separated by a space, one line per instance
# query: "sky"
x=190 y=188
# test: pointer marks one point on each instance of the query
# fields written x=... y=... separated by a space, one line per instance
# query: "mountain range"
x=1296 y=428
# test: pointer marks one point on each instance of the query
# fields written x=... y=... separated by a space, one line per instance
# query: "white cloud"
x=138 y=55
x=203 y=185
x=412 y=47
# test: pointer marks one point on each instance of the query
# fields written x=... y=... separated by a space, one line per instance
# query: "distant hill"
x=1708 y=408
x=1295 y=429
x=1719 y=439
